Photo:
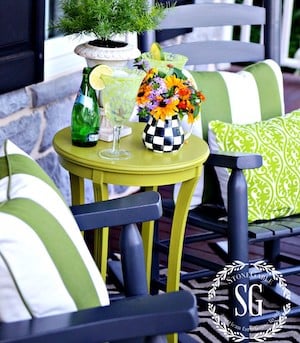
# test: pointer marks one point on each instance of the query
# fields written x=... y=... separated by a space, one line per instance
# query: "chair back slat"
x=211 y=14
x=218 y=52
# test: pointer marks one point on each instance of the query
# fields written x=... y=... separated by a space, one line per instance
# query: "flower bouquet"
x=165 y=99
x=163 y=95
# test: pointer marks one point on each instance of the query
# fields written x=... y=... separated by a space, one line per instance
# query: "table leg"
x=178 y=232
x=77 y=189
x=101 y=235
x=147 y=236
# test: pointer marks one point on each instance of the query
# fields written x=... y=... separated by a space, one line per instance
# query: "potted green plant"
x=104 y=19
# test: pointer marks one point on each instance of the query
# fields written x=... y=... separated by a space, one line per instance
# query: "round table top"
x=142 y=161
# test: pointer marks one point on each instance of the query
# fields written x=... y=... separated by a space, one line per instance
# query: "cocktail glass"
x=118 y=99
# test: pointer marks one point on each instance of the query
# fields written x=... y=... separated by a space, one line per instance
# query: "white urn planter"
x=119 y=56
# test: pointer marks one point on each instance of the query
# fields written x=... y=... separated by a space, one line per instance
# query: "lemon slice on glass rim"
x=156 y=52
x=95 y=77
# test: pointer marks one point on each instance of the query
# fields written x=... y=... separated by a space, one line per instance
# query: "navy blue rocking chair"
x=134 y=317
x=50 y=287
x=219 y=217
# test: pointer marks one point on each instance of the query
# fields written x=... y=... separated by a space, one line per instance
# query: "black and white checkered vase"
x=163 y=135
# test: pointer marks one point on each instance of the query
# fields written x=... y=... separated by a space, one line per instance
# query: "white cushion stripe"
x=9 y=295
x=241 y=87
x=45 y=273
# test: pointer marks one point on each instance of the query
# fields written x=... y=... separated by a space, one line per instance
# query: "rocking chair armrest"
x=134 y=208
x=234 y=160
x=124 y=319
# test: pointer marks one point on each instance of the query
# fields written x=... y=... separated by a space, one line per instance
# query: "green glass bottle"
x=85 y=115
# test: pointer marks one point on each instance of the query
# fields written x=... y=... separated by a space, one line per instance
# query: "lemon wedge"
x=96 y=73
x=156 y=52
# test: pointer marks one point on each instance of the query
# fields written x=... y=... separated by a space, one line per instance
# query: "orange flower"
x=143 y=94
x=184 y=93
x=201 y=96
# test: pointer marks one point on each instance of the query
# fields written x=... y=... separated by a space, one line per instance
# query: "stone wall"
x=31 y=116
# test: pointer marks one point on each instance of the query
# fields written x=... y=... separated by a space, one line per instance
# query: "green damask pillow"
x=273 y=189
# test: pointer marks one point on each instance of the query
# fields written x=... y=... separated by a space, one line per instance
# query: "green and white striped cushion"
x=245 y=97
x=45 y=265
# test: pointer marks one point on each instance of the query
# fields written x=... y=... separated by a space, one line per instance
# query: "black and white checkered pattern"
x=163 y=135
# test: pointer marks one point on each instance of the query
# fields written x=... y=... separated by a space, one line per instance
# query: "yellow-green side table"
x=146 y=169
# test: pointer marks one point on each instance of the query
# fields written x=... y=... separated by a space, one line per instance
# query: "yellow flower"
x=150 y=74
x=173 y=81
x=165 y=110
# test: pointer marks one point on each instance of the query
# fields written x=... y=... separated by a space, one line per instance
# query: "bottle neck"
x=85 y=80
x=85 y=85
